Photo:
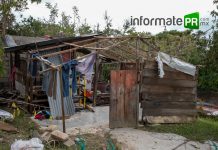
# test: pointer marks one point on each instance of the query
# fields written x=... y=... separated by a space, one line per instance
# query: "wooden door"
x=123 y=99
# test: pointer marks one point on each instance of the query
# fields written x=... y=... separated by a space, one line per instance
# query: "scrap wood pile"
x=10 y=94
x=51 y=134
x=207 y=108
x=51 y=137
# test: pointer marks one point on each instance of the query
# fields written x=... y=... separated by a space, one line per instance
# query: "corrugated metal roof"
x=38 y=42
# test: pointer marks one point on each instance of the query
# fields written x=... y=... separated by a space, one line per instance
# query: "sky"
x=119 y=10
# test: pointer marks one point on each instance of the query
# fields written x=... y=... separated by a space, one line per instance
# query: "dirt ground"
x=94 y=129
x=134 y=139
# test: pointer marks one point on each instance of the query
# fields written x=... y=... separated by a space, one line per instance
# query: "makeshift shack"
x=137 y=77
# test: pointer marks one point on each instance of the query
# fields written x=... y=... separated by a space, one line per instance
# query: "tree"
x=108 y=24
x=127 y=28
x=85 y=28
x=7 y=18
x=28 y=27
x=6 y=15
x=208 y=74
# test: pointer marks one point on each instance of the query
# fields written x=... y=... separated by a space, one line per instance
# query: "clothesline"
x=58 y=66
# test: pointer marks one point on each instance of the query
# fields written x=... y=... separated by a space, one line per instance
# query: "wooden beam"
x=96 y=48
x=96 y=76
x=62 y=101
x=121 y=37
x=63 y=45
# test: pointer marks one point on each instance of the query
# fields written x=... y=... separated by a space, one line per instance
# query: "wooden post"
x=138 y=80
x=62 y=100
x=84 y=92
x=30 y=92
x=96 y=77
x=11 y=67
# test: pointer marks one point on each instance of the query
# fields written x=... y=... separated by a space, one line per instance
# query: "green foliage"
x=179 y=44
x=7 y=7
x=208 y=74
x=201 y=130
x=189 y=46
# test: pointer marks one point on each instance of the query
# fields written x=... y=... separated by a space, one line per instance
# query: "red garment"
x=66 y=57
x=39 y=117
x=12 y=75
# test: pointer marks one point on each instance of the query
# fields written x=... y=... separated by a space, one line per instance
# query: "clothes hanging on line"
x=86 y=67
x=33 y=65
x=70 y=65
x=66 y=57
x=12 y=74
x=49 y=76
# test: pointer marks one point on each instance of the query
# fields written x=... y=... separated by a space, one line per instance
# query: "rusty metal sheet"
x=124 y=99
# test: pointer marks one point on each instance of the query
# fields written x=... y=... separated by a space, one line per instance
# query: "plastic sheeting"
x=10 y=41
x=174 y=63
x=5 y=115
x=33 y=144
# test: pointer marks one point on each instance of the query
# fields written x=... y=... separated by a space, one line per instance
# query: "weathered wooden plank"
x=116 y=100
x=169 y=119
x=167 y=96
x=168 y=74
x=128 y=66
x=166 y=89
x=167 y=105
x=169 y=82
x=123 y=97
x=150 y=64
x=131 y=95
x=169 y=112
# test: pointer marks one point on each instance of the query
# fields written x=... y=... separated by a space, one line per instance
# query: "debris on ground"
x=7 y=127
x=58 y=135
x=42 y=115
x=80 y=142
x=33 y=144
x=207 y=108
x=213 y=145
x=4 y=115
x=52 y=134
x=69 y=142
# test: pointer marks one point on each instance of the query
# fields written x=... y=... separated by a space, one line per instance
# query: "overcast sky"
x=119 y=10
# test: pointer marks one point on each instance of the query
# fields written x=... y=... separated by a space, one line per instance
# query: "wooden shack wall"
x=4 y=83
x=21 y=76
x=172 y=95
